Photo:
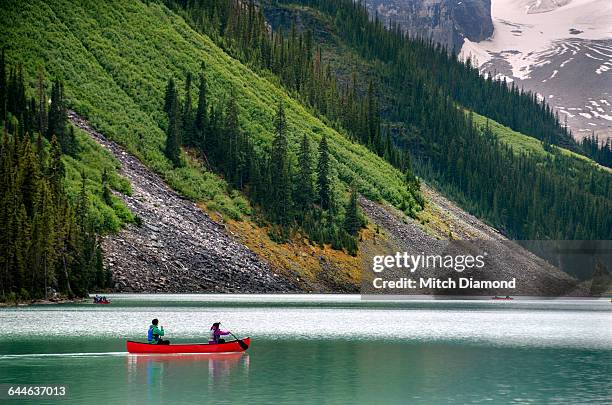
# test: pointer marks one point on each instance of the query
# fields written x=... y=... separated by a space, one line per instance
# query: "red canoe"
x=227 y=347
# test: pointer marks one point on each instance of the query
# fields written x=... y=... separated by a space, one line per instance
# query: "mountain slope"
x=116 y=57
x=482 y=175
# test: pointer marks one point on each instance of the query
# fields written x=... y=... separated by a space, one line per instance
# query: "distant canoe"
x=502 y=298
x=226 y=347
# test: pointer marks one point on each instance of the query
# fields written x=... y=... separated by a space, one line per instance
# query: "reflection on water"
x=331 y=372
x=159 y=373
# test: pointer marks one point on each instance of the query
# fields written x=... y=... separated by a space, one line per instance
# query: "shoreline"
x=52 y=301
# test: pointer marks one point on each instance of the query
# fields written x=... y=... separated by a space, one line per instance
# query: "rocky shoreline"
x=50 y=301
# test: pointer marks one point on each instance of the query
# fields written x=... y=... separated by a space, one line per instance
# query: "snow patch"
x=542 y=23
x=599 y=52
x=603 y=116
x=588 y=55
x=471 y=50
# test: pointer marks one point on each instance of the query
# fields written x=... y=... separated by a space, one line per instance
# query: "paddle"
x=243 y=345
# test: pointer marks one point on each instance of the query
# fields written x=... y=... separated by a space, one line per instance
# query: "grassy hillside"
x=115 y=58
x=524 y=143
x=92 y=160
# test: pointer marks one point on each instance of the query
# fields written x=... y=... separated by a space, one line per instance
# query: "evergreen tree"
x=28 y=175
x=16 y=98
x=173 y=133
x=305 y=194
x=41 y=153
x=44 y=238
x=281 y=171
x=20 y=250
x=82 y=205
x=201 y=117
x=188 y=135
x=352 y=219
x=56 y=169
x=57 y=120
x=323 y=175
x=3 y=87
x=42 y=101
x=170 y=96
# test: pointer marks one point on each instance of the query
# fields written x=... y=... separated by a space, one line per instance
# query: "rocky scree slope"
x=504 y=259
x=178 y=248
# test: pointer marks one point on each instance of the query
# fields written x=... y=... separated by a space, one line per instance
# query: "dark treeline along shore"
x=50 y=230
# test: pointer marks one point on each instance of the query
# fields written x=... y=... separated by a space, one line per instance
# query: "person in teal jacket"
x=155 y=333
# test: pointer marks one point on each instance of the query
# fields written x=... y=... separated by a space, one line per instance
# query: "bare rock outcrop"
x=445 y=21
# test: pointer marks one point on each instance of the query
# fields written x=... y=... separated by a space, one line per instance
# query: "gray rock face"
x=178 y=248
x=445 y=21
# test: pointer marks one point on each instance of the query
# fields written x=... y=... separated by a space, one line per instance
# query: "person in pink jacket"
x=216 y=333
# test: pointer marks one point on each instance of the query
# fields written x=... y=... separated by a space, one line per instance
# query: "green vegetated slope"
x=523 y=143
x=346 y=61
x=92 y=160
x=115 y=58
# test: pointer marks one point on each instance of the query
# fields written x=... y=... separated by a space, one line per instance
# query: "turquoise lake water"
x=317 y=349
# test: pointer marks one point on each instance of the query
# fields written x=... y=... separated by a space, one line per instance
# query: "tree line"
x=293 y=193
x=47 y=242
x=599 y=150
